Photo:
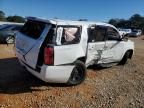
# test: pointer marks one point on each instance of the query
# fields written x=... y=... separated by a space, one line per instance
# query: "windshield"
x=33 y=29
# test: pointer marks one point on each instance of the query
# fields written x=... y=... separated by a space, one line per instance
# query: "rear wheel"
x=10 y=40
x=78 y=74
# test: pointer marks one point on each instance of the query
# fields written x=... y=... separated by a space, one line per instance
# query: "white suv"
x=59 y=51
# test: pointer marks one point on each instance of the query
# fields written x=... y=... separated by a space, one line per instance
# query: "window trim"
x=118 y=38
x=101 y=26
x=68 y=26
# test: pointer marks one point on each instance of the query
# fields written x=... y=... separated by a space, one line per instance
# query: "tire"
x=10 y=40
x=125 y=58
x=78 y=74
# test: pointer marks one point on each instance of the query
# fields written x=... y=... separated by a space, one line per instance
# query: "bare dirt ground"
x=116 y=87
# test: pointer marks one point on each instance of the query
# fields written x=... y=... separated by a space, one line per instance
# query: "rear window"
x=33 y=29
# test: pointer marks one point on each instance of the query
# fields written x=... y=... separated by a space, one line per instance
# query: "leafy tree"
x=136 y=17
x=2 y=16
x=114 y=21
x=136 y=21
x=15 y=18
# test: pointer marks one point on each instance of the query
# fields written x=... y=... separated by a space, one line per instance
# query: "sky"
x=93 y=10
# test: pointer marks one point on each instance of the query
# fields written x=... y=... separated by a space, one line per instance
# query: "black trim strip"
x=64 y=64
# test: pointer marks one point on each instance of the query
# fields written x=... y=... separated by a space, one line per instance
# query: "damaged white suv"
x=59 y=51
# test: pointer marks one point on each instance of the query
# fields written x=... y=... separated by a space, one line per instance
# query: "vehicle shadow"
x=96 y=67
x=14 y=79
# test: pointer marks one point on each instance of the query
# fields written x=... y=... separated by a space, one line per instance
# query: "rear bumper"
x=53 y=74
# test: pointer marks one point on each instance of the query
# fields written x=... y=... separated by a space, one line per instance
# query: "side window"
x=97 y=34
x=70 y=35
x=112 y=34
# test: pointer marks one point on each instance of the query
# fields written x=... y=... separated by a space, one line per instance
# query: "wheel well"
x=130 y=53
x=83 y=59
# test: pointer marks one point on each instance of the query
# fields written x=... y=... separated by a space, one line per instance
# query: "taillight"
x=49 y=56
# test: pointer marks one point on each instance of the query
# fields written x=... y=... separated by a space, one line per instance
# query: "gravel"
x=115 y=87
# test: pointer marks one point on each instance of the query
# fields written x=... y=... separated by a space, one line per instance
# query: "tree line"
x=14 y=18
x=136 y=21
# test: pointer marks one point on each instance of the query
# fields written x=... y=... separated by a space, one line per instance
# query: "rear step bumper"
x=52 y=74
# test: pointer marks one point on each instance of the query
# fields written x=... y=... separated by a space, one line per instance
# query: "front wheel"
x=125 y=58
x=78 y=74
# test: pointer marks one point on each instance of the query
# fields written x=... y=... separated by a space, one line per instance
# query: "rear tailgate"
x=29 y=40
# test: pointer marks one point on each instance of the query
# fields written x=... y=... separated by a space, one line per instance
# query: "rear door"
x=69 y=44
x=96 y=43
x=29 y=40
